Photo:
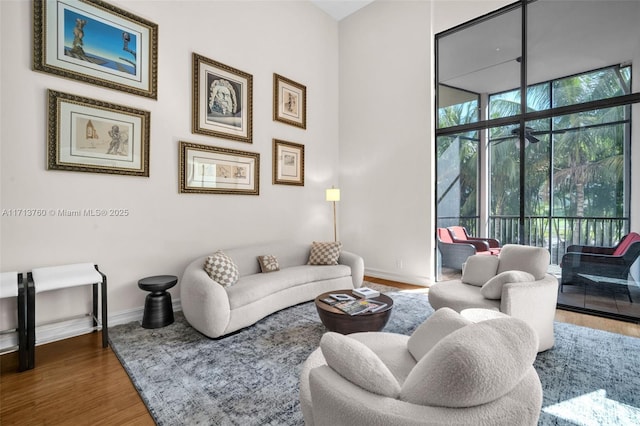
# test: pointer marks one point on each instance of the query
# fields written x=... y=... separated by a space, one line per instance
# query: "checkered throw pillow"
x=324 y=253
x=268 y=263
x=221 y=269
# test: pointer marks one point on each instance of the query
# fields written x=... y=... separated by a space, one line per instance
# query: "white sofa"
x=515 y=283
x=216 y=311
x=449 y=371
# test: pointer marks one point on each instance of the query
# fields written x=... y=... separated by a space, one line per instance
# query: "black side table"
x=158 y=311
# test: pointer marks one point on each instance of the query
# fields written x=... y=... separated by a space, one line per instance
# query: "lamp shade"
x=333 y=194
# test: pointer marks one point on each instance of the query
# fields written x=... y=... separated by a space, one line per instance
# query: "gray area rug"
x=590 y=377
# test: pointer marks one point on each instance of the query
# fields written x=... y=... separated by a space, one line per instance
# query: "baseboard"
x=64 y=329
x=406 y=279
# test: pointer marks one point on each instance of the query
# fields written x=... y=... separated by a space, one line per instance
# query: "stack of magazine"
x=360 y=306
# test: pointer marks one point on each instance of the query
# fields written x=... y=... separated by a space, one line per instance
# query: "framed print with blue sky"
x=97 y=43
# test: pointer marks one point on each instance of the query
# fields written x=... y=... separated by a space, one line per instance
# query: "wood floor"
x=77 y=382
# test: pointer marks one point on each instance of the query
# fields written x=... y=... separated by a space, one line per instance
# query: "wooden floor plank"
x=75 y=381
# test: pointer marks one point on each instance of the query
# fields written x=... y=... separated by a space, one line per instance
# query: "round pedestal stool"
x=158 y=311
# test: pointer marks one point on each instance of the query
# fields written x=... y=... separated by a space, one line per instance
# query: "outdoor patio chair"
x=459 y=234
x=605 y=265
x=455 y=254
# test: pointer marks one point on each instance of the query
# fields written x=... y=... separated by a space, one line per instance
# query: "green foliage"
x=586 y=178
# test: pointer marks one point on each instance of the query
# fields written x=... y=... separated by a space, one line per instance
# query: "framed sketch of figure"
x=289 y=101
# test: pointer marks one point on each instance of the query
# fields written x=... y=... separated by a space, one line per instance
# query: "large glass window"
x=557 y=172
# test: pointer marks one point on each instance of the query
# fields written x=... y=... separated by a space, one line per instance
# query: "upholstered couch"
x=217 y=308
x=449 y=371
x=516 y=283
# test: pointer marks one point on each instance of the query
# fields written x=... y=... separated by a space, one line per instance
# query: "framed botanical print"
x=88 y=135
x=95 y=42
x=289 y=101
x=222 y=100
x=288 y=163
x=207 y=169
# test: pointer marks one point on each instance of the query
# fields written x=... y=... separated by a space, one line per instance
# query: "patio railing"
x=554 y=233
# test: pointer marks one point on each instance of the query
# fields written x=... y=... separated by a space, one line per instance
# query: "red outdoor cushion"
x=444 y=236
x=624 y=245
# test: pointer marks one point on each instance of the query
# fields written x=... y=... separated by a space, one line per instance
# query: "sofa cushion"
x=358 y=364
x=443 y=322
x=252 y=288
x=474 y=365
x=325 y=253
x=534 y=260
x=268 y=263
x=492 y=289
x=221 y=269
x=478 y=269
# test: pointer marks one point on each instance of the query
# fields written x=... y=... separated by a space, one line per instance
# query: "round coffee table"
x=336 y=320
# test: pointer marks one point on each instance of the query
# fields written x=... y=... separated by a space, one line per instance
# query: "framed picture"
x=97 y=43
x=86 y=135
x=222 y=100
x=288 y=163
x=289 y=101
x=207 y=169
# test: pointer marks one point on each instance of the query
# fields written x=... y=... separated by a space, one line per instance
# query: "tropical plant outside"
x=574 y=164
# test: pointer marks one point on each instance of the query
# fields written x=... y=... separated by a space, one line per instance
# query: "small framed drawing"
x=97 y=43
x=289 y=101
x=207 y=169
x=222 y=100
x=288 y=163
x=87 y=135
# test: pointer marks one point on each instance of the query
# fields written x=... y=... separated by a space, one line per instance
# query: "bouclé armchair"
x=515 y=283
x=449 y=371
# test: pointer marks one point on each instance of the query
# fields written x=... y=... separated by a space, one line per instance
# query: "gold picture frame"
x=222 y=100
x=206 y=169
x=288 y=163
x=97 y=43
x=289 y=102
x=88 y=135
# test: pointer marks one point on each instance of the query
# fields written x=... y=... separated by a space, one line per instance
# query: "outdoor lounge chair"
x=455 y=254
x=589 y=264
x=459 y=234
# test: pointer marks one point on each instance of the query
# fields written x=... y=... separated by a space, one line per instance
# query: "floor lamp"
x=333 y=195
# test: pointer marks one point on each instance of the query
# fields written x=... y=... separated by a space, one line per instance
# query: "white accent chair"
x=515 y=283
x=449 y=371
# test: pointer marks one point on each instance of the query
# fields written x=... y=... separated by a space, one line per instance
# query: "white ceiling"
x=339 y=9
x=565 y=37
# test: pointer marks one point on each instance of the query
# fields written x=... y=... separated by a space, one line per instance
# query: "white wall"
x=386 y=140
x=165 y=229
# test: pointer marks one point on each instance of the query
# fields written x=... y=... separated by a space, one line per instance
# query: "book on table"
x=341 y=297
x=366 y=292
x=360 y=306
x=330 y=301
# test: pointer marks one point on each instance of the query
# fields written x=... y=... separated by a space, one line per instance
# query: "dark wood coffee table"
x=336 y=320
